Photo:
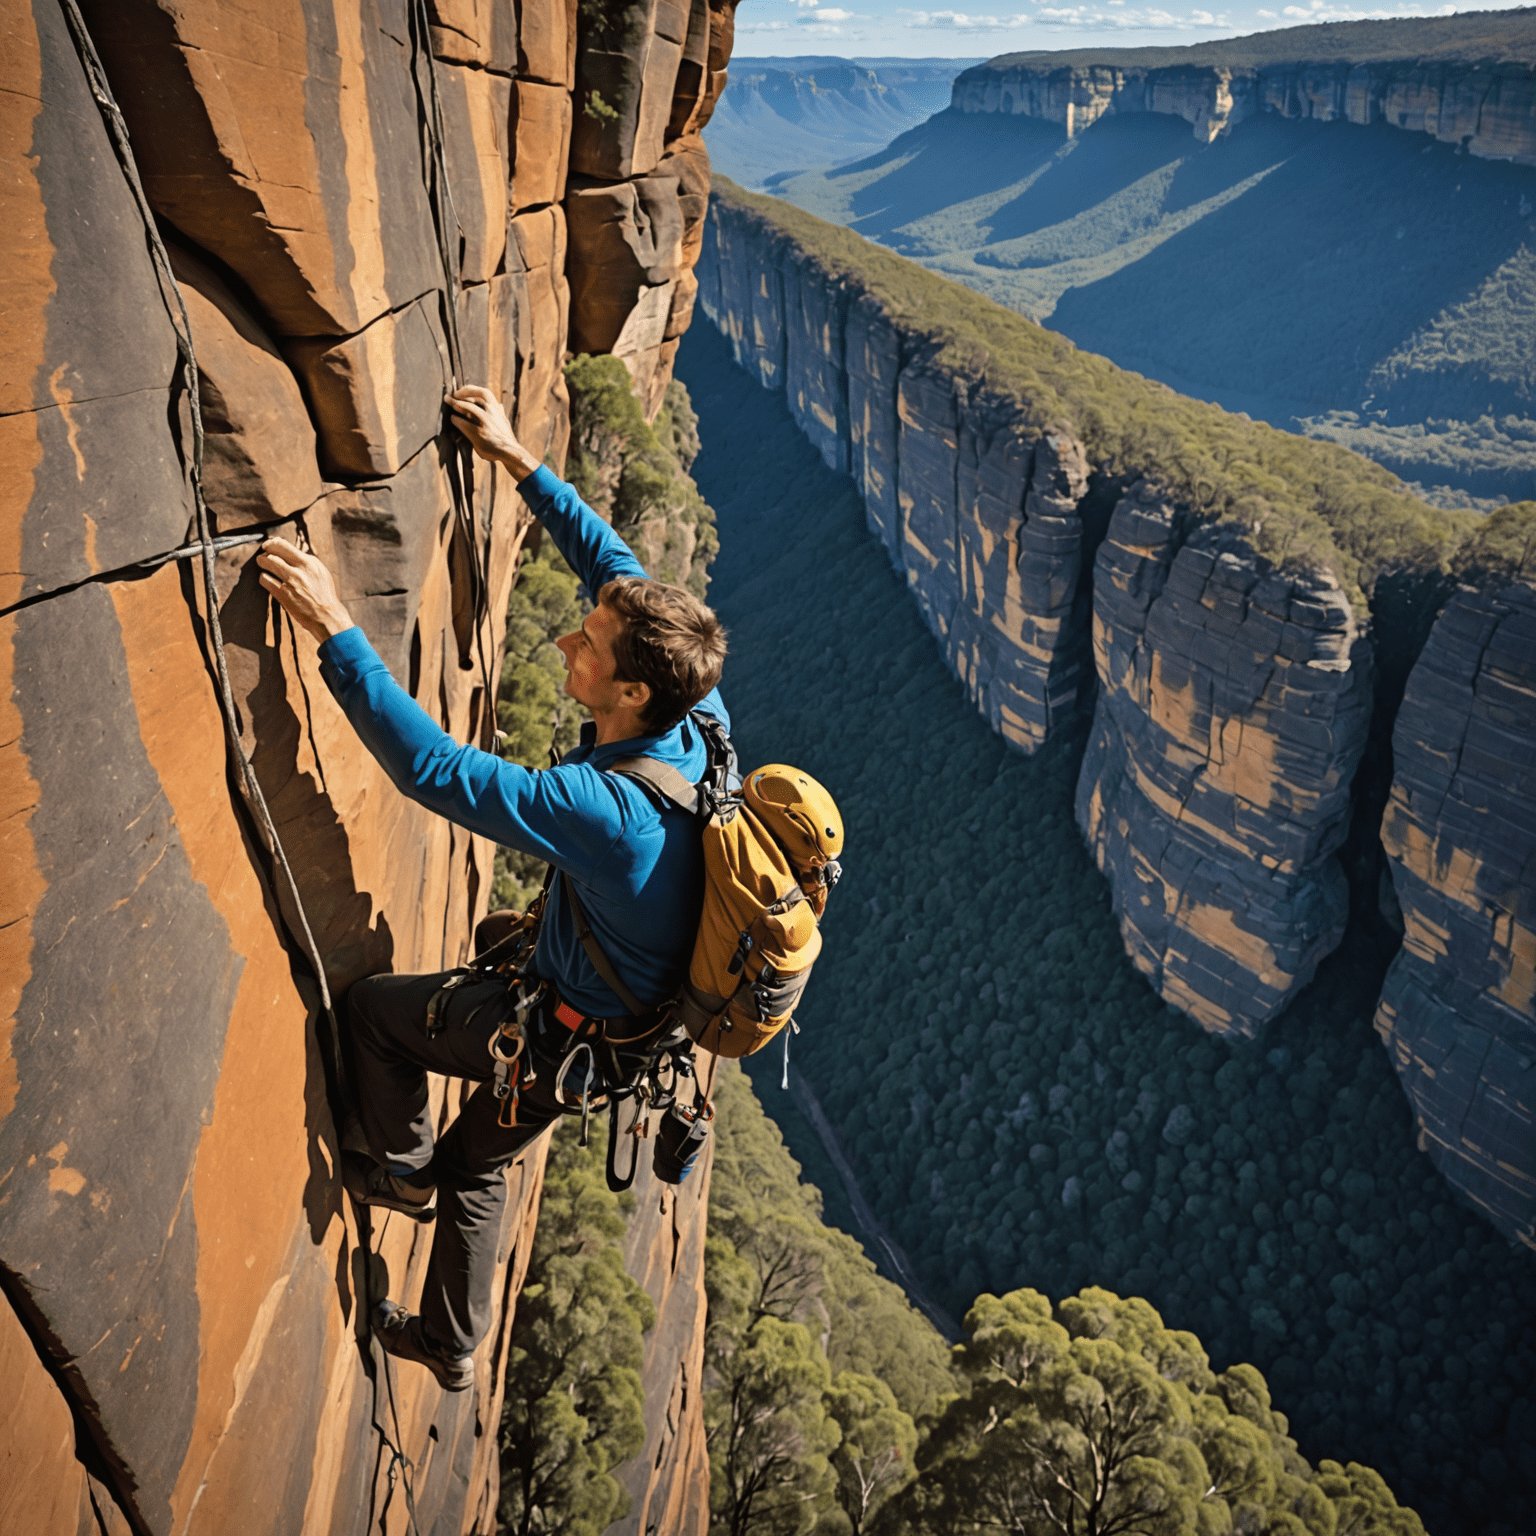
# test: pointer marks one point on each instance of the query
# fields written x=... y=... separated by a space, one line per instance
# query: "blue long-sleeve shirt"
x=638 y=870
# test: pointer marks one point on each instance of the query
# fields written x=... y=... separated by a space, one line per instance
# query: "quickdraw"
x=513 y=1069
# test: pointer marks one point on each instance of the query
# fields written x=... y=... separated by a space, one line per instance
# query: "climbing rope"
x=461 y=477
x=207 y=547
x=181 y=324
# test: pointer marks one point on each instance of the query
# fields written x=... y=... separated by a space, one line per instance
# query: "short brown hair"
x=670 y=642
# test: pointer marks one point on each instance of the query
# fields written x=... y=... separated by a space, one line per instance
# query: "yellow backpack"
x=771 y=846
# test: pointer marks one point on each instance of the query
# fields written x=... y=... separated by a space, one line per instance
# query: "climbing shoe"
x=369 y=1183
x=402 y=1335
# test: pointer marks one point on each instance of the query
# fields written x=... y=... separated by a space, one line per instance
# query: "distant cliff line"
x=1467 y=80
x=1250 y=604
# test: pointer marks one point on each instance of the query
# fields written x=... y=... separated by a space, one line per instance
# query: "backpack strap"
x=664 y=781
x=600 y=962
x=666 y=786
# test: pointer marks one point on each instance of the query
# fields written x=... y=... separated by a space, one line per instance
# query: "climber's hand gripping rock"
x=478 y=414
x=304 y=587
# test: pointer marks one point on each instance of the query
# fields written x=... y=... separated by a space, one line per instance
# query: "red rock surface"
x=180 y=1347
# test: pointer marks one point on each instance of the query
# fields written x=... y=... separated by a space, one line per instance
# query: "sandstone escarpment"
x=1458 y=1011
x=1474 y=95
x=984 y=517
x=362 y=206
x=1237 y=689
x=1234 y=704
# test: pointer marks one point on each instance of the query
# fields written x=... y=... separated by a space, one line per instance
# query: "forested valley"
x=1018 y=1106
x=1238 y=1242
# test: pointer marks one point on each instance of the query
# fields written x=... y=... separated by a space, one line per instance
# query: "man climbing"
x=646 y=655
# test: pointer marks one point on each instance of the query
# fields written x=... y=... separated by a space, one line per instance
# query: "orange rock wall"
x=180 y=1266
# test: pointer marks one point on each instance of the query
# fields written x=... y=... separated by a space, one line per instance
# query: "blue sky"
x=897 y=28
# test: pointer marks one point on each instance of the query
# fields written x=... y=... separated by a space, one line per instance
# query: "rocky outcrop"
x=1486 y=103
x=1234 y=705
x=1458 y=1011
x=991 y=523
x=187 y=1290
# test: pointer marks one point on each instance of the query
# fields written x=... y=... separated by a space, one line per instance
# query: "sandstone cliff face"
x=1233 y=707
x=174 y=1248
x=985 y=520
x=1490 y=108
x=668 y=1481
x=1458 y=1011
x=1233 y=704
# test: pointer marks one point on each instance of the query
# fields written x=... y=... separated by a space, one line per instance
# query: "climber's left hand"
x=302 y=584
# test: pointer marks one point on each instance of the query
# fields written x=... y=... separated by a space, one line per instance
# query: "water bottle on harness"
x=770 y=846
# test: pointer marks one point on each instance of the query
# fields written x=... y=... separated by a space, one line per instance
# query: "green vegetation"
x=1300 y=503
x=532 y=708
x=574 y=1405
x=1092 y=1416
x=1020 y=1109
x=1503 y=548
x=635 y=475
x=816 y=1365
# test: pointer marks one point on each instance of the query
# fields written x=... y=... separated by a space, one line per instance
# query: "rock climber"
x=646 y=655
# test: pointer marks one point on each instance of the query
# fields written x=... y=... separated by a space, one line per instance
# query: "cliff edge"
x=1252 y=603
x=1471 y=82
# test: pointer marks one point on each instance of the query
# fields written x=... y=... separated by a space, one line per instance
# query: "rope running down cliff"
x=176 y=309
x=444 y=215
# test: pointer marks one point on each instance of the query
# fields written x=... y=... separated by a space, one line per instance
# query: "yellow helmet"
x=803 y=819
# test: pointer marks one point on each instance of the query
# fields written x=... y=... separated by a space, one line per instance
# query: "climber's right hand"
x=478 y=414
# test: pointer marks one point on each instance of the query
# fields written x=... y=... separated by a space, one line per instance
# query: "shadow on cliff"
x=1300 y=286
x=950 y=159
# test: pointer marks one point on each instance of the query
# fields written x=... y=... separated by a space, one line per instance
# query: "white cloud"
x=1321 y=10
x=958 y=21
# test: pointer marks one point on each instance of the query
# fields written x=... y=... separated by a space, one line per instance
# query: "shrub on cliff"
x=635 y=473
x=532 y=708
x=574 y=1404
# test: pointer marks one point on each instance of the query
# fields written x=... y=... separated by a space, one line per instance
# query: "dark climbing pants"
x=392 y=1055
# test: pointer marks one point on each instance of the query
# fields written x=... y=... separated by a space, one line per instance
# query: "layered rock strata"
x=180 y=1267
x=1458 y=1011
x=1489 y=108
x=984 y=518
x=1234 y=704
